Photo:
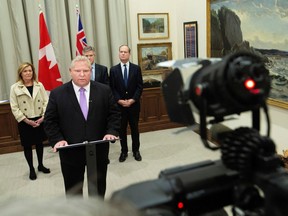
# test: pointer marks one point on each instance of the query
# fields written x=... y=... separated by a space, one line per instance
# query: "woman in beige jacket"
x=28 y=101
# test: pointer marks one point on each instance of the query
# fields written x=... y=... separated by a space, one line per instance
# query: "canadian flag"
x=48 y=71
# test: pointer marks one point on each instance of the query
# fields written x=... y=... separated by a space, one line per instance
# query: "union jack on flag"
x=80 y=37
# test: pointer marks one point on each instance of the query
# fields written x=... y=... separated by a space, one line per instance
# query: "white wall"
x=180 y=11
x=279 y=132
x=195 y=10
x=278 y=129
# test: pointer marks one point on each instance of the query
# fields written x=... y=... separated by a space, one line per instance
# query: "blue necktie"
x=93 y=73
x=125 y=75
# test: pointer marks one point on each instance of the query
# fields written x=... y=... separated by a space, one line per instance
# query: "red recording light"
x=180 y=205
x=249 y=84
x=198 y=90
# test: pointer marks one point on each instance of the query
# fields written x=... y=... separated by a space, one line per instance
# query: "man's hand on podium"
x=110 y=137
x=59 y=144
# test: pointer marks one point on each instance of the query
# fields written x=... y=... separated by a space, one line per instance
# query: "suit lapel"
x=92 y=97
x=35 y=90
x=21 y=88
x=130 y=73
x=73 y=98
x=121 y=75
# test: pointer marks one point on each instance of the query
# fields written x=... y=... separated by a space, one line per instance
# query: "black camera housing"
x=249 y=176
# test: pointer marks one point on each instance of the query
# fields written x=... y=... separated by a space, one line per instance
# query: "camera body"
x=249 y=176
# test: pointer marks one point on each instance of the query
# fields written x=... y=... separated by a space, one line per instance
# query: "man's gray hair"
x=129 y=49
x=78 y=59
x=87 y=49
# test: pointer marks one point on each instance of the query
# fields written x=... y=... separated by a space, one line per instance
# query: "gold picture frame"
x=153 y=26
x=149 y=55
x=272 y=100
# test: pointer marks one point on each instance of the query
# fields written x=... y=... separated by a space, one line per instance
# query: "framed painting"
x=259 y=27
x=190 y=39
x=153 y=26
x=149 y=55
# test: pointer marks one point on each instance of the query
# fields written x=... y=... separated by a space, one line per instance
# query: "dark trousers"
x=73 y=162
x=129 y=115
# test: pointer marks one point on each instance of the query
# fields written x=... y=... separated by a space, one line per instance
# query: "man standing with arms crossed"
x=126 y=83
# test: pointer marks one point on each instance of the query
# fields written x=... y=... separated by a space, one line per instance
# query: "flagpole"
x=81 y=41
x=77 y=17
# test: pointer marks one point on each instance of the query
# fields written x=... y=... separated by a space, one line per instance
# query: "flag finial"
x=77 y=8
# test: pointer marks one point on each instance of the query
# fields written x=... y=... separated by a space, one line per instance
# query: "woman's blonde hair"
x=21 y=69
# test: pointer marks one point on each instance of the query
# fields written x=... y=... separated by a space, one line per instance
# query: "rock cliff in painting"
x=226 y=34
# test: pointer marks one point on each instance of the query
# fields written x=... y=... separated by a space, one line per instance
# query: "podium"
x=91 y=165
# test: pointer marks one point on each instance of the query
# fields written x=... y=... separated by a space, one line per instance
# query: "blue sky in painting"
x=264 y=23
x=151 y=20
x=153 y=50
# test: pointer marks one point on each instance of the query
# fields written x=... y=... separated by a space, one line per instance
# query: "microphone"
x=217 y=132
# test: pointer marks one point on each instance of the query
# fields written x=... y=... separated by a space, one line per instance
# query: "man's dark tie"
x=83 y=102
x=125 y=75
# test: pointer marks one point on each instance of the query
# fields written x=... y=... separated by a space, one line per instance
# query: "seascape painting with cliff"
x=257 y=26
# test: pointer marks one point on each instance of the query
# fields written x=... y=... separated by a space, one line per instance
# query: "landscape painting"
x=260 y=27
x=153 y=26
x=149 y=55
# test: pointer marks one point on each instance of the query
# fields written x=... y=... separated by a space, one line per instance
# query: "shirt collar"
x=127 y=64
x=76 y=88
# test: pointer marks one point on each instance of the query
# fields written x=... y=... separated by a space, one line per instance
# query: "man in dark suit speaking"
x=99 y=72
x=127 y=85
x=71 y=118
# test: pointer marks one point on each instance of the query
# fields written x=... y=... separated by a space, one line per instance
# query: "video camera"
x=249 y=177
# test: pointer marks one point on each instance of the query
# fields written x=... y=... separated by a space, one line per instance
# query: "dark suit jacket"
x=64 y=119
x=134 y=86
x=101 y=74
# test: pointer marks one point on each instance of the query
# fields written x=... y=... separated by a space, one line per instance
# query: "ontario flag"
x=48 y=71
x=80 y=37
